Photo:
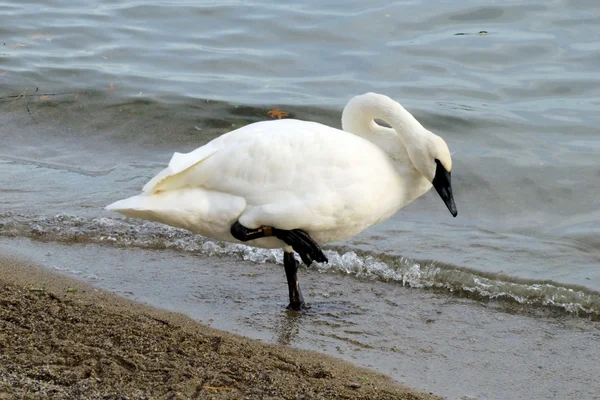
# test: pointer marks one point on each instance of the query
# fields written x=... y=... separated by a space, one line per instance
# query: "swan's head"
x=431 y=157
x=428 y=152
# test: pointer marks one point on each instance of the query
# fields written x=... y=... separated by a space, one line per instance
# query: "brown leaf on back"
x=2 y=73
x=277 y=113
x=44 y=97
x=112 y=85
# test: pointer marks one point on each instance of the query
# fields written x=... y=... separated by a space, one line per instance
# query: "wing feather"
x=170 y=178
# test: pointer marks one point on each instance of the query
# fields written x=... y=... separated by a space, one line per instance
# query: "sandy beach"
x=64 y=339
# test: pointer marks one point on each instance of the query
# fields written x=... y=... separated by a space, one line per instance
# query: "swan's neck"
x=359 y=118
x=406 y=132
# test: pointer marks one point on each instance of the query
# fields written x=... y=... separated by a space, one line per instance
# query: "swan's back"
x=267 y=153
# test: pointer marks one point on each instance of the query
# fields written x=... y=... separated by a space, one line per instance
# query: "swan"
x=296 y=184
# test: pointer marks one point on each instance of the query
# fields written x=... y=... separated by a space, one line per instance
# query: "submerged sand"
x=64 y=339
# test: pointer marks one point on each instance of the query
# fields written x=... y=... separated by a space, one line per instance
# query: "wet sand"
x=64 y=339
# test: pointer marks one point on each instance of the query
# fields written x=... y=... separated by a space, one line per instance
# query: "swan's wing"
x=181 y=173
x=292 y=174
x=179 y=163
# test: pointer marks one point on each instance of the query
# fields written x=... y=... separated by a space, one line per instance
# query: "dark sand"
x=64 y=339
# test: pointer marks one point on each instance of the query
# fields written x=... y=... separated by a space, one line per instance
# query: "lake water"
x=95 y=97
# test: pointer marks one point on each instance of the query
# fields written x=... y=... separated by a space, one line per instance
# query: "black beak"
x=441 y=183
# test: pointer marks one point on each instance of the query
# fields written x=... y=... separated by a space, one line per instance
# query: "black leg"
x=301 y=242
x=291 y=272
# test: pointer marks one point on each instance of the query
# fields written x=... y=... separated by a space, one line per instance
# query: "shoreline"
x=63 y=338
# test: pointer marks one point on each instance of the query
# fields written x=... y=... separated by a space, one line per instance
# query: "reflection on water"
x=288 y=325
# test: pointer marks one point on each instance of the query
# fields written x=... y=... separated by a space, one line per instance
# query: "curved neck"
x=361 y=111
x=406 y=133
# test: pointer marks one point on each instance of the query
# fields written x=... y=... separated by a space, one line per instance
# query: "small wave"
x=402 y=270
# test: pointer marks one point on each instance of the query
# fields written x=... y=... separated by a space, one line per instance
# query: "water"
x=95 y=98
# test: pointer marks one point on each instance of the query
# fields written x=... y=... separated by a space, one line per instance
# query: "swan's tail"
x=138 y=206
x=196 y=209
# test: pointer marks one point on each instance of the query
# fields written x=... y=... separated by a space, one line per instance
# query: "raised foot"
x=301 y=242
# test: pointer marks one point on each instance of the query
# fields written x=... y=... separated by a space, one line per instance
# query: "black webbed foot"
x=300 y=241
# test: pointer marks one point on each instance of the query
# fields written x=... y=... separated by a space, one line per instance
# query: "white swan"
x=295 y=185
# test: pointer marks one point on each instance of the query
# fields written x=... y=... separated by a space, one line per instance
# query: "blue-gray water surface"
x=95 y=97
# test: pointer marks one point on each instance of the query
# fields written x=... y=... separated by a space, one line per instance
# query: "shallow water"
x=95 y=98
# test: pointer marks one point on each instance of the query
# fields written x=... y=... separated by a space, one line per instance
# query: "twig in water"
x=29 y=111
x=19 y=96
